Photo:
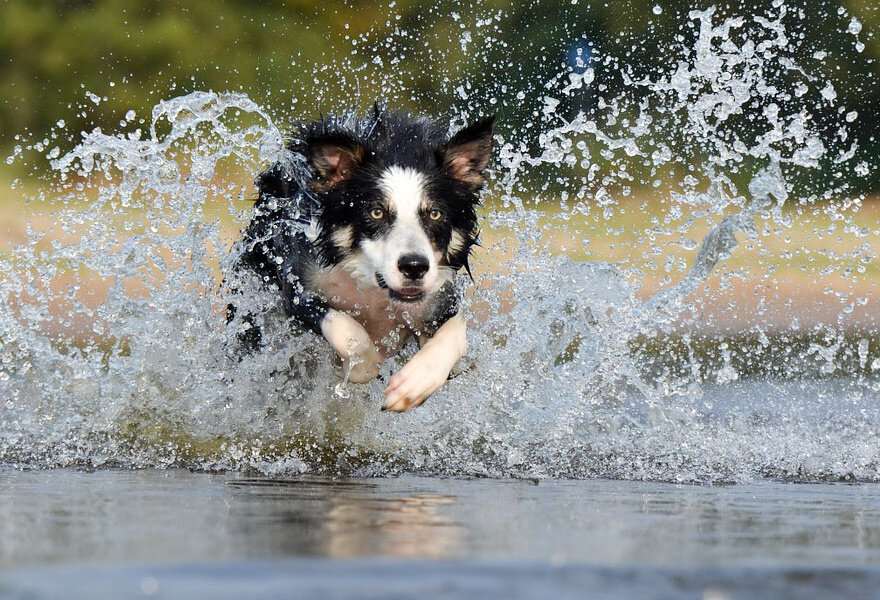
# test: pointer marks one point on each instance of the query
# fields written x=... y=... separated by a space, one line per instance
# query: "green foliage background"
x=295 y=56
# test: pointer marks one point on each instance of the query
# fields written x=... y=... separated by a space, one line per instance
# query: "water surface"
x=189 y=528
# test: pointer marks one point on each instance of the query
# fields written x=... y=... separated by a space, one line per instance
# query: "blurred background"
x=86 y=63
x=69 y=66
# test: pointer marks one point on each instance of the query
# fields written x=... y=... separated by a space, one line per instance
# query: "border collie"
x=364 y=243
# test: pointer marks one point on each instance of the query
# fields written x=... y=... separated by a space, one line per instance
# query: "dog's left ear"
x=466 y=155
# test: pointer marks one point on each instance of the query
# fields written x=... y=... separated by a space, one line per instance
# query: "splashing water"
x=115 y=348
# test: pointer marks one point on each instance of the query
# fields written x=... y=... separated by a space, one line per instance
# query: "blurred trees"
x=301 y=57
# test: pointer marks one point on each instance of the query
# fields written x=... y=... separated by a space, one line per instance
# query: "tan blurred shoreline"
x=800 y=278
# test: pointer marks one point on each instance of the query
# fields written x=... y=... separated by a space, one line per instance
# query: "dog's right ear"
x=333 y=157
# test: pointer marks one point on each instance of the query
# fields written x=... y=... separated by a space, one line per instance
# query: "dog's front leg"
x=360 y=358
x=429 y=369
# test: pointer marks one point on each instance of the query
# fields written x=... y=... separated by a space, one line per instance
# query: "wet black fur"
x=275 y=247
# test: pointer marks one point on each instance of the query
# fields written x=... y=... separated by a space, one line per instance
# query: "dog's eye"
x=435 y=214
x=377 y=213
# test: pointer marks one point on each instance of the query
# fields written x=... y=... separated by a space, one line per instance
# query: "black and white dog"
x=364 y=247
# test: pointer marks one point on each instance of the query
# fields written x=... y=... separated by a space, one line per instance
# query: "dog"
x=364 y=241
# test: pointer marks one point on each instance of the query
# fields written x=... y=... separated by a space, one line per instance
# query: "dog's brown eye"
x=377 y=213
x=435 y=214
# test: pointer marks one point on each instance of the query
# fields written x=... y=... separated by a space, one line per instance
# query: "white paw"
x=360 y=358
x=362 y=368
x=412 y=385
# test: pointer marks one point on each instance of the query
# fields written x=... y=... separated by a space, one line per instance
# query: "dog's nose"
x=413 y=266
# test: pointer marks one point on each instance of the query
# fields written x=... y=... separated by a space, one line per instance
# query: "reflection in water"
x=342 y=518
x=412 y=527
x=176 y=516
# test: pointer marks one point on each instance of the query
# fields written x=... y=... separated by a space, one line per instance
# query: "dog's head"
x=399 y=204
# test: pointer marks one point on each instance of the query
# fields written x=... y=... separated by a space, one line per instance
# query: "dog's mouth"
x=404 y=294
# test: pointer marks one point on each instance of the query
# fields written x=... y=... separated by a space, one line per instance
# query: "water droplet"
x=855 y=26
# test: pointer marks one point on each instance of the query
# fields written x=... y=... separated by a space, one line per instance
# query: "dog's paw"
x=360 y=358
x=362 y=368
x=413 y=384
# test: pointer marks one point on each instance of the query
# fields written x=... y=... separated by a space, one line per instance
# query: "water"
x=66 y=516
x=139 y=455
x=227 y=532
x=115 y=353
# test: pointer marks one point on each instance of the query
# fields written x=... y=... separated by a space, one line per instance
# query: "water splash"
x=115 y=349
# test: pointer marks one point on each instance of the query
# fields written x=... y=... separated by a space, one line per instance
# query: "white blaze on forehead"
x=404 y=189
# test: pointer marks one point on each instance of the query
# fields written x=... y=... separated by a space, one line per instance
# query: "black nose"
x=413 y=266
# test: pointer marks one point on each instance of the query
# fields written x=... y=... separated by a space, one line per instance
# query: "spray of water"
x=115 y=350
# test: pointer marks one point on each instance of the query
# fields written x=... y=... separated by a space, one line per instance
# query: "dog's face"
x=399 y=211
